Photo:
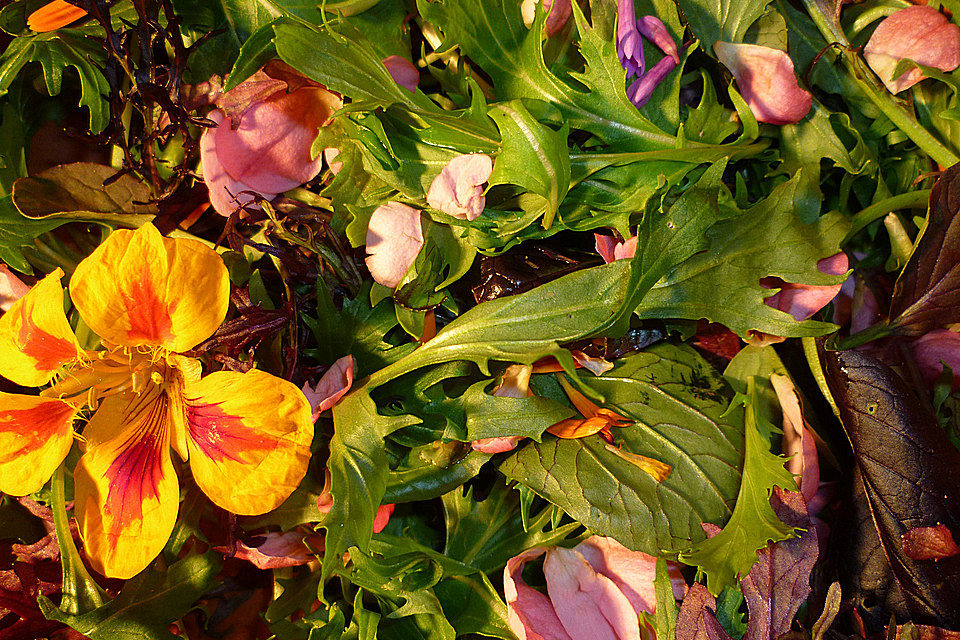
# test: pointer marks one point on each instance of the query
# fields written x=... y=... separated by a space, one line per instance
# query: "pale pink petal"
x=226 y=194
x=560 y=11
x=394 y=238
x=382 y=517
x=767 y=82
x=932 y=348
x=457 y=190
x=11 y=288
x=610 y=250
x=803 y=300
x=798 y=441
x=918 y=32
x=336 y=381
x=515 y=382
x=403 y=72
x=589 y=604
x=530 y=613
x=496 y=445
x=277 y=550
x=329 y=156
x=632 y=571
x=270 y=150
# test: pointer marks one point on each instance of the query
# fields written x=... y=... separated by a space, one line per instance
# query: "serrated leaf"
x=732 y=552
x=533 y=156
x=57 y=51
x=726 y=20
x=722 y=283
x=147 y=604
x=927 y=293
x=680 y=405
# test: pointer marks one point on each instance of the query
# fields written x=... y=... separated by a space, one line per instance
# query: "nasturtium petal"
x=35 y=436
x=35 y=337
x=248 y=436
x=139 y=288
x=126 y=489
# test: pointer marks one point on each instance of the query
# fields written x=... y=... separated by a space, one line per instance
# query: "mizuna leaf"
x=733 y=551
x=688 y=426
x=927 y=293
x=726 y=20
x=906 y=478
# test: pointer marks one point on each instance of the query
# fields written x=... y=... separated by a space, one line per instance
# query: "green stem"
x=874 y=90
x=813 y=360
x=909 y=200
x=81 y=593
x=880 y=330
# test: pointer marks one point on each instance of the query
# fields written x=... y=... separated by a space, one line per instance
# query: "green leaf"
x=665 y=616
x=147 y=603
x=56 y=51
x=733 y=550
x=534 y=156
x=680 y=406
x=726 y=20
x=722 y=283
x=486 y=534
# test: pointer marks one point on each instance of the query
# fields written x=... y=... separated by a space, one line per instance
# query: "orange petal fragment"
x=583 y=404
x=35 y=436
x=53 y=16
x=656 y=469
x=35 y=337
x=249 y=436
x=139 y=288
x=127 y=493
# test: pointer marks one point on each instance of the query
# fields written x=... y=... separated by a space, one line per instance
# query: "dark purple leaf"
x=927 y=294
x=907 y=476
x=780 y=580
x=697 y=619
x=248 y=328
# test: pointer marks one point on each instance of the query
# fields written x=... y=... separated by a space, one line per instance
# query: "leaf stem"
x=909 y=200
x=81 y=593
x=879 y=330
x=877 y=93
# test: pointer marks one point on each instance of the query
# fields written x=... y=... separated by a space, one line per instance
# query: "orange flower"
x=246 y=435
x=53 y=16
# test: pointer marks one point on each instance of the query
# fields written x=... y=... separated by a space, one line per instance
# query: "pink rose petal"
x=632 y=571
x=589 y=604
x=458 y=190
x=496 y=444
x=276 y=550
x=336 y=381
x=803 y=300
x=226 y=194
x=798 y=441
x=530 y=613
x=918 y=32
x=767 y=82
x=403 y=72
x=394 y=239
x=270 y=150
x=382 y=517
x=11 y=288
x=610 y=250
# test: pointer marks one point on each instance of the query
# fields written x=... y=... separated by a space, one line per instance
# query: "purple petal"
x=629 y=42
x=640 y=91
x=656 y=32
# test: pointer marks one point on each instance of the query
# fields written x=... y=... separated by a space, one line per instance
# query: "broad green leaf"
x=57 y=51
x=731 y=552
x=533 y=156
x=683 y=418
x=147 y=603
x=722 y=283
x=726 y=20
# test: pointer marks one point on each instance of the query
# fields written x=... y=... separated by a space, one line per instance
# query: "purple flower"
x=629 y=42
x=630 y=34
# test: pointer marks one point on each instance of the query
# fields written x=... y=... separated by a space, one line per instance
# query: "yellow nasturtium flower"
x=149 y=298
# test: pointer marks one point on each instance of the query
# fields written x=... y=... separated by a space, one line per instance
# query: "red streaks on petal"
x=136 y=473
x=34 y=426
x=149 y=315
x=46 y=350
x=222 y=436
